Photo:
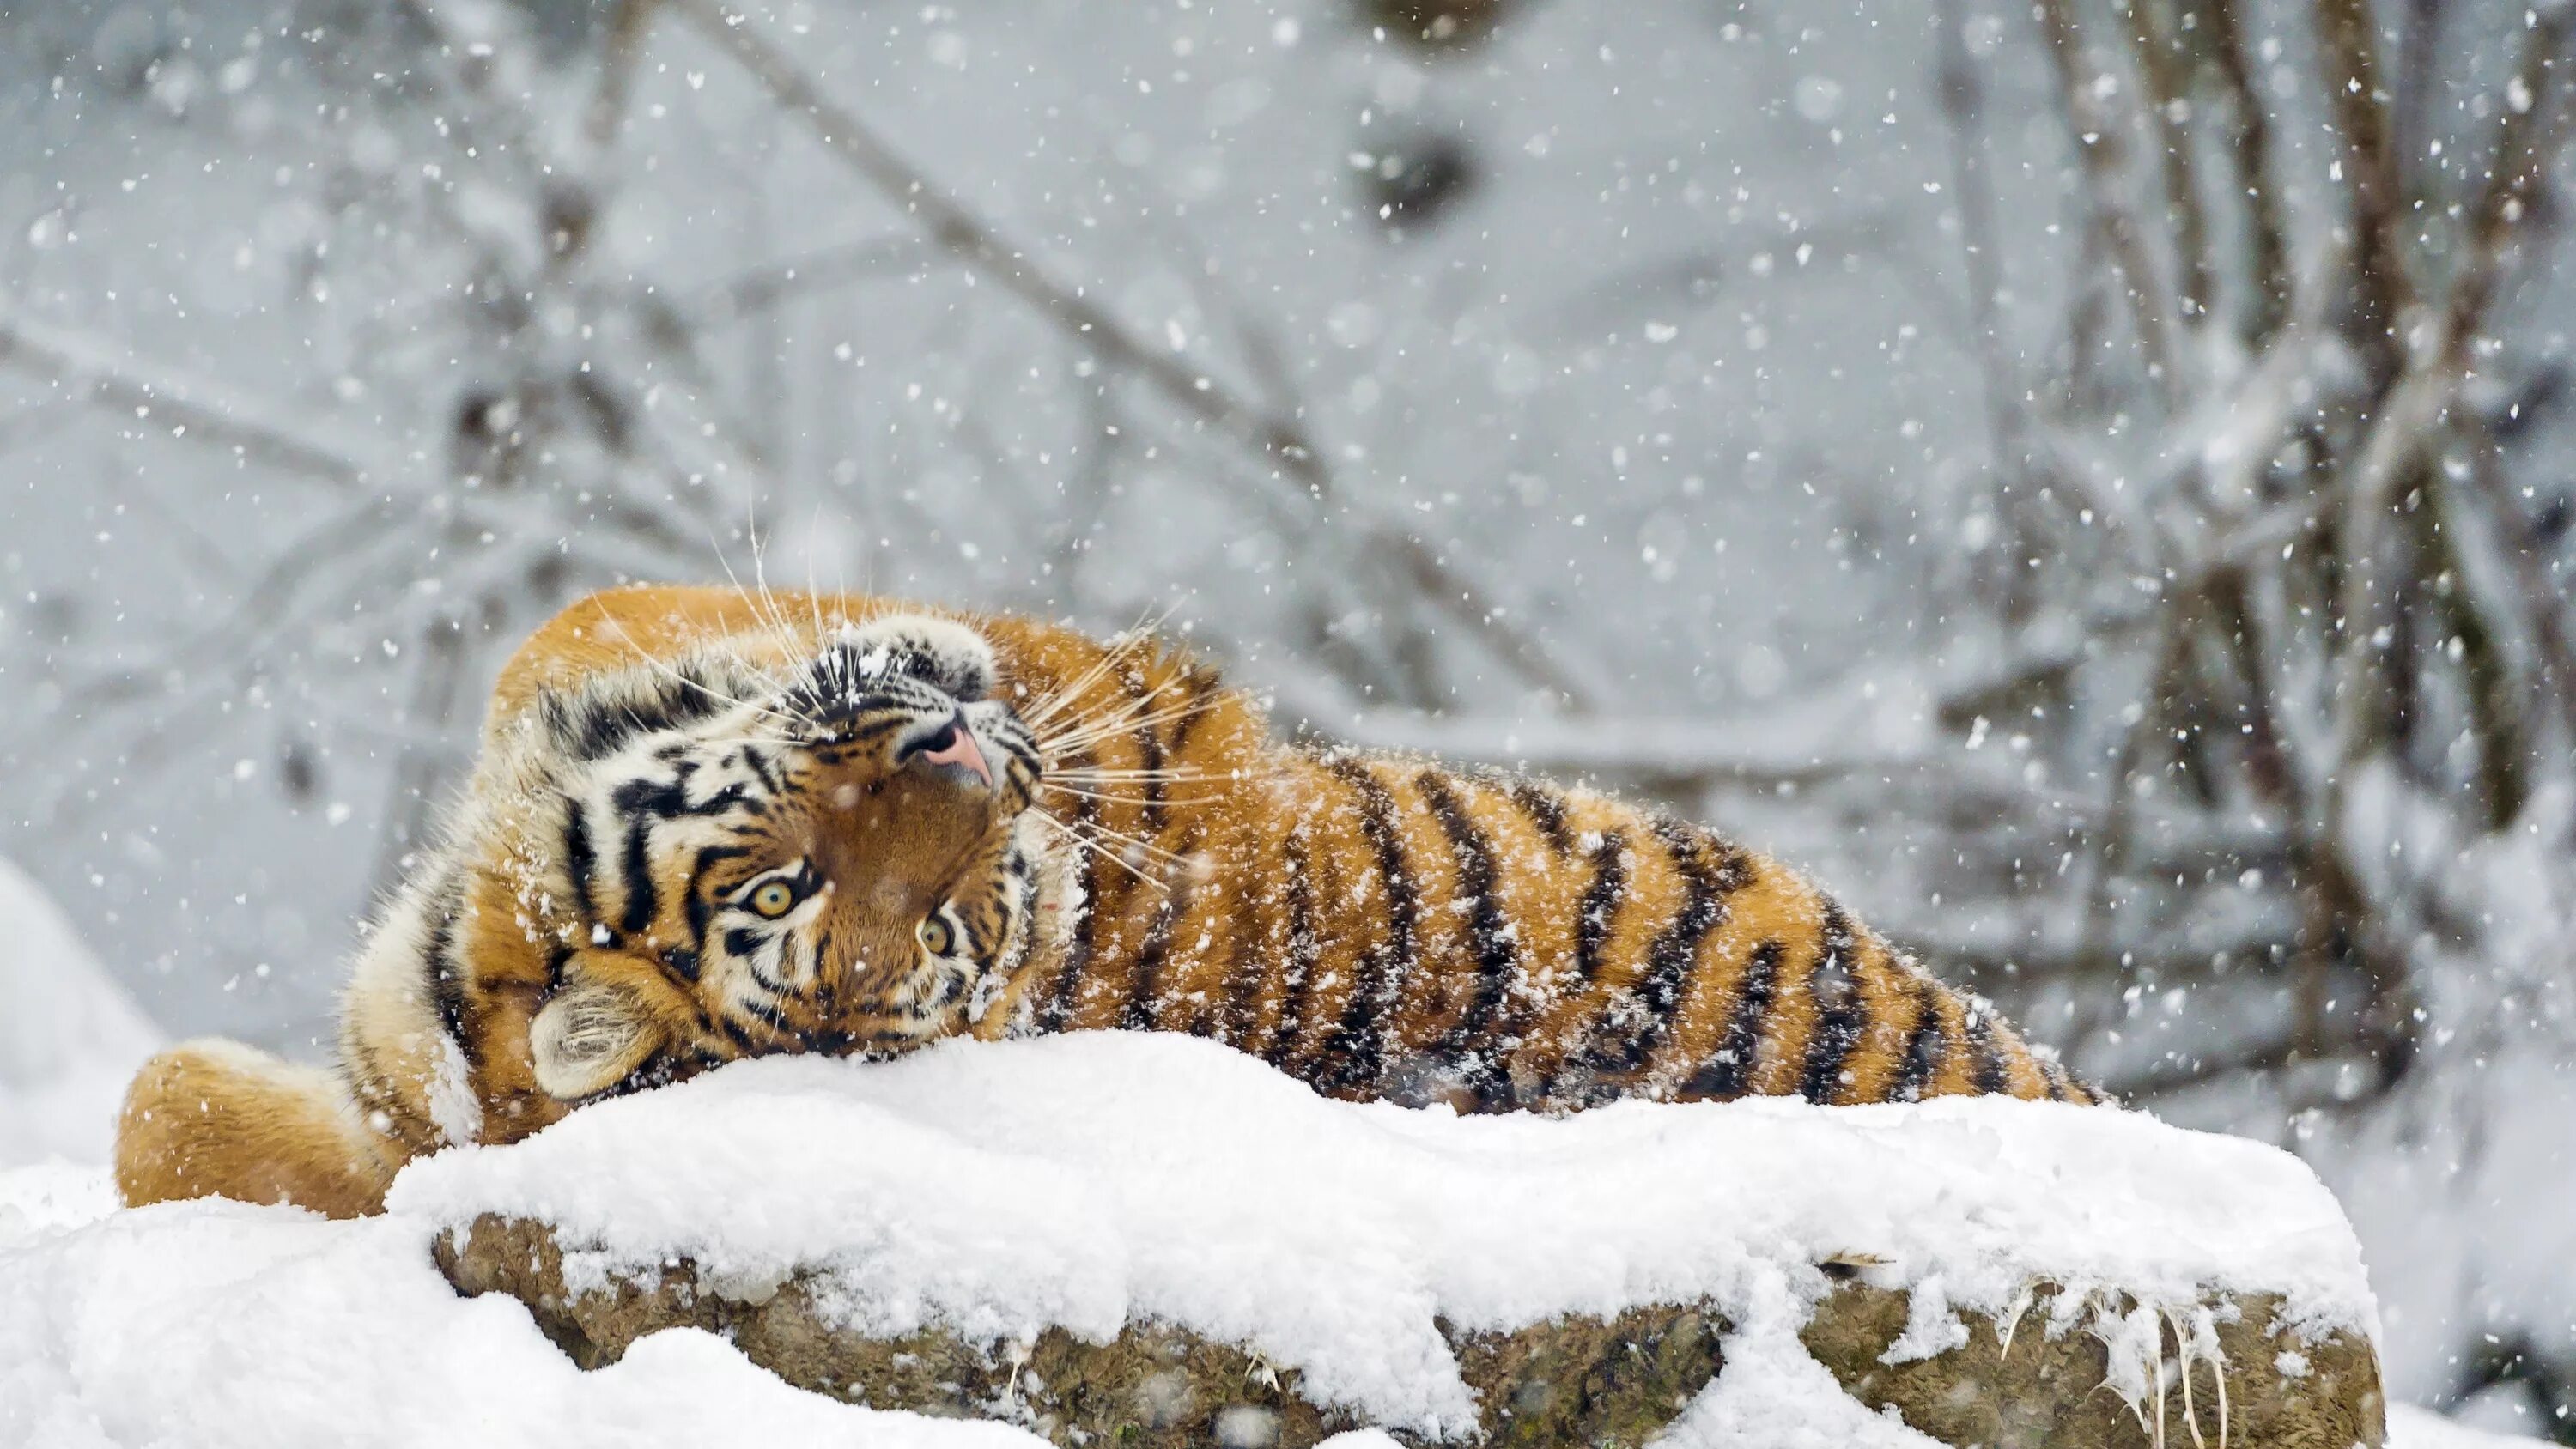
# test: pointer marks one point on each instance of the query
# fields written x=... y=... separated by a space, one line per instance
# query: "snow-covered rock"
x=1027 y=1198
x=70 y=1038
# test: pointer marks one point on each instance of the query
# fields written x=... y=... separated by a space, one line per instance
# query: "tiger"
x=711 y=823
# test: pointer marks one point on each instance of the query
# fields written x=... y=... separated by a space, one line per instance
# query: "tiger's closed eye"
x=936 y=936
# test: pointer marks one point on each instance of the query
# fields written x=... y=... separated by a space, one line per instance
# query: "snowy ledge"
x=1159 y=1240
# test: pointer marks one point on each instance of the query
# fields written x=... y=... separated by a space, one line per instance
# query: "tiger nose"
x=952 y=745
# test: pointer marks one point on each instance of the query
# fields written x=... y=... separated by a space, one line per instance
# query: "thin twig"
x=957 y=229
x=184 y=407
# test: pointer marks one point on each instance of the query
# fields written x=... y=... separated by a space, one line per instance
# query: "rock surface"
x=1575 y=1380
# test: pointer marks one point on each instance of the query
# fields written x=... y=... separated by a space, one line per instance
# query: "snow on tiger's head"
x=772 y=844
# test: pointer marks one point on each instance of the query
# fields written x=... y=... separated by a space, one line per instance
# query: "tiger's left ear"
x=589 y=1037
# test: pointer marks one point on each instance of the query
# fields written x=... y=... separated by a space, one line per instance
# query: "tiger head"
x=747 y=851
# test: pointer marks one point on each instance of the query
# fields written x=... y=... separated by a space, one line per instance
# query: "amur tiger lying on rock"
x=710 y=824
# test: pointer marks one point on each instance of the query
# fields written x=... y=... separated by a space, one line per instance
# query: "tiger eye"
x=774 y=899
x=936 y=937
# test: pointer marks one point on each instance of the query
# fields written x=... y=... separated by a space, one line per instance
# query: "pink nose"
x=961 y=749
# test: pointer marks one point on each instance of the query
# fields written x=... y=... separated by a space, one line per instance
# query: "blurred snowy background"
x=2092 y=480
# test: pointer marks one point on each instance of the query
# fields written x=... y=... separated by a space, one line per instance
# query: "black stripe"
x=1297 y=985
x=1729 y=1071
x=1709 y=877
x=1355 y=1054
x=1143 y=1011
x=1024 y=877
x=1546 y=811
x=1595 y=919
x=638 y=869
x=2078 y=1091
x=1057 y=1006
x=2052 y=1076
x=580 y=859
x=1988 y=1063
x=695 y=902
x=1241 y=1013
x=1841 y=1011
x=1598 y=914
x=1203 y=682
x=1022 y=751
x=447 y=973
x=1925 y=1050
x=1497 y=959
x=596 y=729
x=875 y=729
x=1149 y=747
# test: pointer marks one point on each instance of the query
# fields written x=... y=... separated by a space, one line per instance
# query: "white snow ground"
x=70 y=1039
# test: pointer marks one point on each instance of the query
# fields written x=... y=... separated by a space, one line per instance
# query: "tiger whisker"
x=813 y=595
x=1158 y=772
x=1142 y=633
x=1065 y=693
x=760 y=598
x=1080 y=841
x=1133 y=716
x=1109 y=832
x=1126 y=799
x=706 y=689
x=1073 y=777
x=1135 y=843
x=770 y=603
x=1107 y=729
x=1054 y=700
x=1173 y=774
x=1124 y=708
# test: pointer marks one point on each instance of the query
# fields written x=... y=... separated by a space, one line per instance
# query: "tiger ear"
x=588 y=1038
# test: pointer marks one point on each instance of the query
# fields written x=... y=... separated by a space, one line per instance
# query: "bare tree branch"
x=183 y=406
x=1283 y=440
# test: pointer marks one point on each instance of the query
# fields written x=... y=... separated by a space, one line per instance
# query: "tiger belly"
x=1390 y=929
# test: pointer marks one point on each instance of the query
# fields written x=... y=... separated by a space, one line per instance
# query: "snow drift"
x=69 y=1040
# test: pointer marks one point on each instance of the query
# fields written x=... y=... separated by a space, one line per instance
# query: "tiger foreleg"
x=212 y=1118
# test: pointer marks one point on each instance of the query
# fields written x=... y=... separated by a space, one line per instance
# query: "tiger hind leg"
x=212 y=1118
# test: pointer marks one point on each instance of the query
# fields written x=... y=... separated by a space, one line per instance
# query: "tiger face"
x=743 y=854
